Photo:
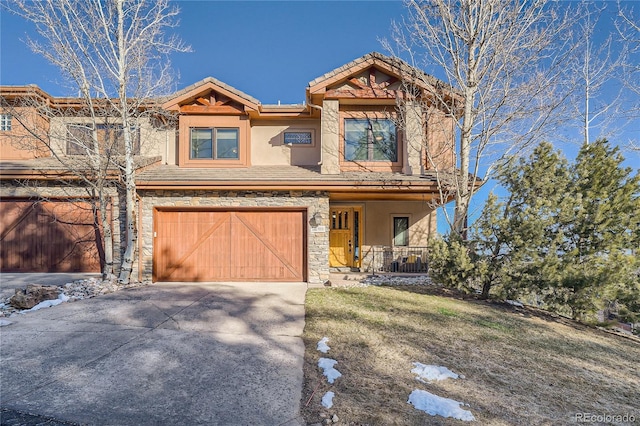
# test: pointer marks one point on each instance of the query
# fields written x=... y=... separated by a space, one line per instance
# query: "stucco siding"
x=268 y=147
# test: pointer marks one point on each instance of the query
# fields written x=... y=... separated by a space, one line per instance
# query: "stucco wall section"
x=330 y=137
x=378 y=225
x=314 y=202
x=19 y=142
x=154 y=141
x=268 y=147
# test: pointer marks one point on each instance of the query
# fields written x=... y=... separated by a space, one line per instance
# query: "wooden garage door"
x=229 y=246
x=51 y=236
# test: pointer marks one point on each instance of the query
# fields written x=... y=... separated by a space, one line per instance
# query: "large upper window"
x=214 y=143
x=5 y=122
x=110 y=138
x=370 y=140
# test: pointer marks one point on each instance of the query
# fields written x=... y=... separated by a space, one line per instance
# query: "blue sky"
x=267 y=49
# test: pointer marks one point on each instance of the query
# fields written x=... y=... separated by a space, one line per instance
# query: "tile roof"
x=170 y=173
x=52 y=164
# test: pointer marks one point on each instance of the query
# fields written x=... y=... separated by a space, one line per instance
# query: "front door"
x=344 y=237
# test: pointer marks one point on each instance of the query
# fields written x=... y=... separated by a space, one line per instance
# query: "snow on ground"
x=327 y=399
x=322 y=345
x=438 y=406
x=76 y=290
x=327 y=366
x=49 y=303
x=397 y=280
x=432 y=372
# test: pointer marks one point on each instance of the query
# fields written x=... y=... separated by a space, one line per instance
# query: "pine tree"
x=566 y=234
x=515 y=237
x=599 y=262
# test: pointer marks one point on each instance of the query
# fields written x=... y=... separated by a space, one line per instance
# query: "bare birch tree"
x=503 y=59
x=595 y=71
x=89 y=172
x=115 y=51
x=629 y=29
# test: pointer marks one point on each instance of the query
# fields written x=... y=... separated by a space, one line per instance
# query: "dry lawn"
x=520 y=366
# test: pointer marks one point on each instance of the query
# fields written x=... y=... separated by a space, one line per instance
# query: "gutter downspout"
x=321 y=149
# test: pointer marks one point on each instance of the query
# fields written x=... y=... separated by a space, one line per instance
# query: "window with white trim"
x=5 y=122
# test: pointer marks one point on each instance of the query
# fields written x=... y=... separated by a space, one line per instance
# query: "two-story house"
x=239 y=190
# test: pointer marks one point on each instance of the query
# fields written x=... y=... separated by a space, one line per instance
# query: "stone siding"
x=315 y=202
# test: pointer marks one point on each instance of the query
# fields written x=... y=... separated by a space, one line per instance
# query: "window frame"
x=395 y=235
x=370 y=112
x=71 y=145
x=188 y=121
x=6 y=122
x=372 y=147
x=214 y=144
x=310 y=131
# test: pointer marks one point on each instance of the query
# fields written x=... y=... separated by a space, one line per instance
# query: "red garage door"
x=229 y=246
x=51 y=236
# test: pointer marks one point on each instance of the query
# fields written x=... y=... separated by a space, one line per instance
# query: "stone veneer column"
x=330 y=137
x=413 y=139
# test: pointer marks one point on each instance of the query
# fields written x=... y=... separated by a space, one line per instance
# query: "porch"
x=405 y=259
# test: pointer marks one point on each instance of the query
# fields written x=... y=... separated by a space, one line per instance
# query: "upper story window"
x=5 y=122
x=214 y=143
x=370 y=139
x=110 y=138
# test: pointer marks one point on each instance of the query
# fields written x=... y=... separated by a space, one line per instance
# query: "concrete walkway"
x=164 y=354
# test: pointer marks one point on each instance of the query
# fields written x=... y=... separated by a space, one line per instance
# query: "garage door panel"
x=265 y=246
x=51 y=236
x=234 y=246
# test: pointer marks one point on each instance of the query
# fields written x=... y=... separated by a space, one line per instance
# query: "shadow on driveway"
x=168 y=353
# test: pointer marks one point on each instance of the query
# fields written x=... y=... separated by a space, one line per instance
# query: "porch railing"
x=399 y=259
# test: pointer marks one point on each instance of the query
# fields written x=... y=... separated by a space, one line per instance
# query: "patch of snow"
x=397 y=280
x=4 y=322
x=515 y=303
x=438 y=406
x=322 y=345
x=49 y=303
x=327 y=366
x=432 y=372
x=327 y=399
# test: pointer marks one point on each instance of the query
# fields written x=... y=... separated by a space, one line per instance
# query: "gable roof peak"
x=402 y=69
x=215 y=82
x=375 y=56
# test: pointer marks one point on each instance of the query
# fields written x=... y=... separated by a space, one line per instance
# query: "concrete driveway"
x=164 y=354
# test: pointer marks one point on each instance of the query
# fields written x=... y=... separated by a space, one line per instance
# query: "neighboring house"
x=238 y=190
